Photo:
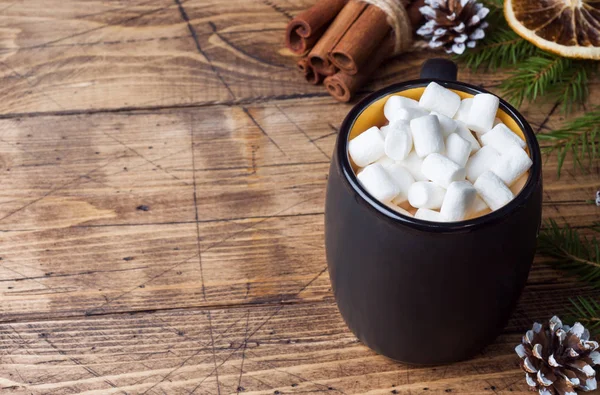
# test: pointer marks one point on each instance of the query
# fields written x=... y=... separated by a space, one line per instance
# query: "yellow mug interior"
x=373 y=116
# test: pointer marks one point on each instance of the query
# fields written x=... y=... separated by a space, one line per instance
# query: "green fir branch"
x=534 y=73
x=533 y=78
x=579 y=137
x=571 y=252
x=573 y=88
x=502 y=48
x=586 y=311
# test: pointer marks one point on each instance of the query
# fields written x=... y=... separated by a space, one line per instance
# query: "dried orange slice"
x=569 y=28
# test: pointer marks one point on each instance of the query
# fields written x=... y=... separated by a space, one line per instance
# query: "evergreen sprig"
x=580 y=137
x=534 y=77
x=534 y=73
x=502 y=48
x=571 y=251
x=586 y=311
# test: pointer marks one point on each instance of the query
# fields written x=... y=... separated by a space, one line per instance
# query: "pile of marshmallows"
x=431 y=178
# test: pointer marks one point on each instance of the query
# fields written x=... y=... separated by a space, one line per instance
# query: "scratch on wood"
x=212 y=340
x=278 y=9
x=88 y=272
x=194 y=35
x=255 y=122
x=324 y=136
x=149 y=109
x=303 y=379
x=552 y=110
x=144 y=158
x=81 y=33
x=63 y=186
x=198 y=246
x=77 y=362
x=229 y=236
x=33 y=86
x=244 y=52
x=298 y=128
x=239 y=385
x=95 y=310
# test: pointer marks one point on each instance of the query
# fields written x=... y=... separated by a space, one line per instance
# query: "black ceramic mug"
x=424 y=292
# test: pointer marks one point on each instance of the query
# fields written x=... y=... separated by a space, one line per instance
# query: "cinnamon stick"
x=342 y=85
x=362 y=40
x=310 y=74
x=318 y=56
x=305 y=29
x=414 y=14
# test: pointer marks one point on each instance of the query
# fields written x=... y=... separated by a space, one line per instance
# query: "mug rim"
x=440 y=227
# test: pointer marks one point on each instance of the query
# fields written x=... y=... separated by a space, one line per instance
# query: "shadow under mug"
x=422 y=292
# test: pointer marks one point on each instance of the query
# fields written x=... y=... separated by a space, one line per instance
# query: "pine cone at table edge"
x=559 y=359
x=453 y=25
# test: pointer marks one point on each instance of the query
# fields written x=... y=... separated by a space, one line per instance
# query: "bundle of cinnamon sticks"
x=342 y=42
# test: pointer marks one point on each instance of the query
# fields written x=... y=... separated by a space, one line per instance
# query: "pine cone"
x=559 y=359
x=453 y=24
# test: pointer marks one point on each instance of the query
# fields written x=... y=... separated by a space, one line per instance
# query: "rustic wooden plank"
x=263 y=350
x=259 y=175
x=105 y=56
x=30 y=25
x=95 y=170
x=147 y=267
x=132 y=268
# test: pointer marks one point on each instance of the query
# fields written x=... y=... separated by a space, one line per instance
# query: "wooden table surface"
x=163 y=171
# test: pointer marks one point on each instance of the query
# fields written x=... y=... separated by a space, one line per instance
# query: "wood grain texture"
x=80 y=186
x=163 y=172
x=71 y=58
x=260 y=350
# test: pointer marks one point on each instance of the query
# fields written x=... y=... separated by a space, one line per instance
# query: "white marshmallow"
x=378 y=183
x=403 y=180
x=492 y=190
x=466 y=134
x=399 y=209
x=478 y=208
x=483 y=112
x=458 y=201
x=413 y=163
x=427 y=135
x=439 y=99
x=429 y=215
x=426 y=194
x=384 y=131
x=385 y=161
x=518 y=185
x=458 y=149
x=367 y=147
x=407 y=114
x=448 y=125
x=502 y=138
x=442 y=170
x=481 y=162
x=394 y=104
x=398 y=142
x=512 y=165
x=462 y=114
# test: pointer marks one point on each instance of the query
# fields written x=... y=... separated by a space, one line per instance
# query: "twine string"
x=397 y=18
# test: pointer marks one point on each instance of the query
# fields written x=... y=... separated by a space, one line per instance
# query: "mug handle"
x=439 y=69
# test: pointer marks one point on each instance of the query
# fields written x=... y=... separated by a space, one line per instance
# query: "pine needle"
x=580 y=137
x=573 y=87
x=502 y=48
x=587 y=312
x=533 y=72
x=571 y=252
x=534 y=77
